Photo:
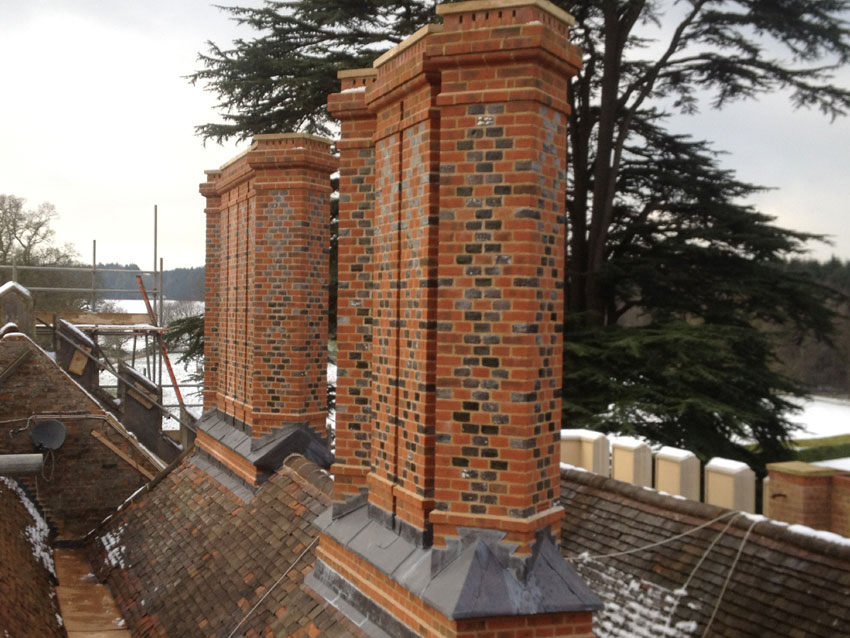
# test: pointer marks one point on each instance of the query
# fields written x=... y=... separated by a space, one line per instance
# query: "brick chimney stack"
x=266 y=304
x=355 y=271
x=451 y=311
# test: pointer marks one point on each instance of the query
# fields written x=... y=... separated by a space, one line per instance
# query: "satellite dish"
x=49 y=435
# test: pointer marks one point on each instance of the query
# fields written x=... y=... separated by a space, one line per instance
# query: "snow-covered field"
x=823 y=416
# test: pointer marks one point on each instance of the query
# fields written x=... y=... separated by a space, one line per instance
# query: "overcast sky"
x=97 y=118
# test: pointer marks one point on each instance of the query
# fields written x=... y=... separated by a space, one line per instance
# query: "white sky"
x=96 y=118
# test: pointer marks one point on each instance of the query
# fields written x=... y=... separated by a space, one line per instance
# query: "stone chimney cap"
x=345 y=74
x=490 y=5
x=800 y=468
x=407 y=43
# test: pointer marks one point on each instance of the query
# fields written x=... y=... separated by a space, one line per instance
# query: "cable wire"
x=681 y=591
x=271 y=589
x=729 y=576
x=658 y=543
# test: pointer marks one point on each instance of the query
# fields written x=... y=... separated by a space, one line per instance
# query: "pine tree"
x=674 y=285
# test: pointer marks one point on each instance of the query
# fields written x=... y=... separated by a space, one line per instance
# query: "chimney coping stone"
x=407 y=43
x=487 y=5
x=356 y=73
x=800 y=468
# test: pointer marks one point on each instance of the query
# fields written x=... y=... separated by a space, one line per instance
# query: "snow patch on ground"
x=822 y=416
x=36 y=533
x=116 y=552
x=836 y=464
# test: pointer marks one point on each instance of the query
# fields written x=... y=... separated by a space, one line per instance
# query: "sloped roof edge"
x=765 y=527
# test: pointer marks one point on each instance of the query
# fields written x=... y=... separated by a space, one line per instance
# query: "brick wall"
x=267 y=270
x=839 y=521
x=84 y=480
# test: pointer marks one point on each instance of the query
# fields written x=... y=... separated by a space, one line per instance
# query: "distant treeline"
x=822 y=366
x=179 y=283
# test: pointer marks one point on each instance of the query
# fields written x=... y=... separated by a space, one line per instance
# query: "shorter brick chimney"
x=811 y=495
x=265 y=393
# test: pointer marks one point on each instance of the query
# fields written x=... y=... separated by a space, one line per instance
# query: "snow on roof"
x=726 y=466
x=12 y=327
x=116 y=552
x=637 y=607
x=627 y=442
x=674 y=454
x=823 y=535
x=36 y=533
x=76 y=332
x=661 y=575
x=567 y=466
x=582 y=435
x=13 y=285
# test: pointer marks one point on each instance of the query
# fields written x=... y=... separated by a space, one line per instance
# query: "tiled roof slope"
x=191 y=558
x=784 y=583
x=88 y=479
x=27 y=595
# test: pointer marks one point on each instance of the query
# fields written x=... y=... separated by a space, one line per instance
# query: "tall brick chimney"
x=355 y=271
x=266 y=301
x=447 y=509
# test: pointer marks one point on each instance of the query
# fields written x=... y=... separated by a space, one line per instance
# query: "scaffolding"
x=145 y=326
